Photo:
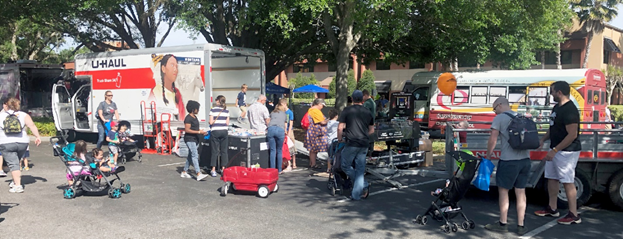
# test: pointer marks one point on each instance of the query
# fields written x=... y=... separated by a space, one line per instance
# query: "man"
x=369 y=103
x=356 y=124
x=513 y=168
x=105 y=112
x=258 y=114
x=564 y=153
x=241 y=102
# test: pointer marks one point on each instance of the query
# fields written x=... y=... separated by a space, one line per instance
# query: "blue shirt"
x=289 y=117
x=241 y=98
x=112 y=135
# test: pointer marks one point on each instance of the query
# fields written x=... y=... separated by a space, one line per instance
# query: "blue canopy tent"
x=310 y=89
x=272 y=88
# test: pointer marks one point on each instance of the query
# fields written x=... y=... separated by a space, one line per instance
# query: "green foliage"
x=593 y=16
x=614 y=77
x=352 y=85
x=367 y=81
x=27 y=40
x=300 y=81
x=439 y=147
x=45 y=126
x=617 y=112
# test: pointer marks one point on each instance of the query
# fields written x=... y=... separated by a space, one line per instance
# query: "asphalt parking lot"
x=163 y=205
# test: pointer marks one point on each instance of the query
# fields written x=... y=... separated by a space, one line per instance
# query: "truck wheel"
x=69 y=135
x=615 y=189
x=583 y=187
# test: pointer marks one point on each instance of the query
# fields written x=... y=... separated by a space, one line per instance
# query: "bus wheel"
x=583 y=188
x=69 y=135
x=615 y=189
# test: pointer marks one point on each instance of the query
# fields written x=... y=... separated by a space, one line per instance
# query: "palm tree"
x=593 y=14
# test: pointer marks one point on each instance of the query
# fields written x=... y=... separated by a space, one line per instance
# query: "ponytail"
x=163 y=62
x=222 y=102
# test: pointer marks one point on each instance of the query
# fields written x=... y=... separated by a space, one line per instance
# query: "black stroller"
x=338 y=180
x=89 y=177
x=446 y=205
x=128 y=149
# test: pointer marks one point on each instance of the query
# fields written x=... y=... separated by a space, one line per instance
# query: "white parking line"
x=170 y=164
x=394 y=189
x=543 y=228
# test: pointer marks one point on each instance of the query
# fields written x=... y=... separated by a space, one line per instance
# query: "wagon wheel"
x=263 y=191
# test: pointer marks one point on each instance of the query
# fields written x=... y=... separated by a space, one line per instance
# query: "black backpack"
x=522 y=133
x=11 y=125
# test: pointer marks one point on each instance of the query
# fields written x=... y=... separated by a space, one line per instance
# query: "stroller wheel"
x=332 y=189
x=472 y=225
x=424 y=220
x=114 y=192
x=126 y=188
x=417 y=220
x=465 y=225
x=455 y=227
x=69 y=193
x=445 y=228
x=140 y=157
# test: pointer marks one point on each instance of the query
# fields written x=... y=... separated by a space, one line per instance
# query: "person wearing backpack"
x=14 y=140
x=513 y=167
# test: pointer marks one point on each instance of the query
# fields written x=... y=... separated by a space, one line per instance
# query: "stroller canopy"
x=69 y=151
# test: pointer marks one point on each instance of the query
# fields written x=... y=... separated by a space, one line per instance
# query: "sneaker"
x=26 y=168
x=185 y=175
x=11 y=184
x=2 y=173
x=497 y=227
x=16 y=189
x=521 y=230
x=201 y=176
x=570 y=219
x=547 y=212
x=213 y=174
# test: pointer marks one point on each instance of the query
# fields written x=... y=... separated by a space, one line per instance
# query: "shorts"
x=513 y=173
x=562 y=167
x=243 y=109
x=12 y=153
x=27 y=154
x=113 y=149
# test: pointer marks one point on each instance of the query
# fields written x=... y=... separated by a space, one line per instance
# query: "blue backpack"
x=522 y=133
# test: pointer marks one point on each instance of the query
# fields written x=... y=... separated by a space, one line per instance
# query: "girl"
x=75 y=167
x=167 y=96
x=276 y=135
x=191 y=138
x=332 y=131
x=104 y=165
x=219 y=120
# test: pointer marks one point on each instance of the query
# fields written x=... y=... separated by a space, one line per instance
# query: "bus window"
x=497 y=92
x=421 y=93
x=461 y=94
x=537 y=96
x=479 y=94
x=517 y=94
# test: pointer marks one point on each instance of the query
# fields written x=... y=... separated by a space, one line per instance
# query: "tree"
x=24 y=39
x=367 y=81
x=593 y=16
x=614 y=78
x=352 y=84
x=301 y=81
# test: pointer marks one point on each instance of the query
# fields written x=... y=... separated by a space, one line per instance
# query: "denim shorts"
x=513 y=173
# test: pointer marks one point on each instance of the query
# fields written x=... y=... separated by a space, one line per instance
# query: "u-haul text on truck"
x=168 y=76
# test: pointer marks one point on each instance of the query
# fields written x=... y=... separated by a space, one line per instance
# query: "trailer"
x=137 y=80
x=30 y=82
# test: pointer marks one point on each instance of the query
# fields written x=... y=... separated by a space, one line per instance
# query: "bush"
x=367 y=82
x=45 y=125
x=439 y=147
x=617 y=112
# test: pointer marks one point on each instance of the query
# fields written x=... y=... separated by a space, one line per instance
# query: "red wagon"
x=260 y=180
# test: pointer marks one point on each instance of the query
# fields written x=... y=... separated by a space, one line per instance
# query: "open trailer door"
x=62 y=108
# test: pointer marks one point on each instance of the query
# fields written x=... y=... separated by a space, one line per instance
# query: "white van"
x=134 y=76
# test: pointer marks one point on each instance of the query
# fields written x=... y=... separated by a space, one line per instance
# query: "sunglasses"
x=496 y=106
x=109 y=95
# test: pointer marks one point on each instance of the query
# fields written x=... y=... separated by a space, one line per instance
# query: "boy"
x=113 y=140
x=25 y=159
x=241 y=102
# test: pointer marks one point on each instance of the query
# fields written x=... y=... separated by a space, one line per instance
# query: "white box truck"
x=201 y=73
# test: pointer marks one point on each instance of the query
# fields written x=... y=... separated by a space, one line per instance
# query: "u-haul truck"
x=167 y=76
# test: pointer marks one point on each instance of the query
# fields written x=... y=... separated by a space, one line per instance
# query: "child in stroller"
x=127 y=146
x=338 y=180
x=86 y=176
x=446 y=206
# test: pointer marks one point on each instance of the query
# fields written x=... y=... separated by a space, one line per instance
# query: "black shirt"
x=561 y=117
x=194 y=125
x=357 y=119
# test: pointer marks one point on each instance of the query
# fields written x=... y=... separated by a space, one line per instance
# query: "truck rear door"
x=62 y=109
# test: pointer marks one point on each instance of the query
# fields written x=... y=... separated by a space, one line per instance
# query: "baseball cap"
x=357 y=96
x=113 y=123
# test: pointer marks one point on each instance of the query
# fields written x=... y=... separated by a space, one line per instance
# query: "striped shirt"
x=220 y=122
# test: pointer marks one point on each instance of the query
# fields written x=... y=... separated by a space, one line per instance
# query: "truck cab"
x=72 y=106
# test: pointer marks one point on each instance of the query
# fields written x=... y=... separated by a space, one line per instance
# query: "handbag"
x=483 y=178
x=207 y=136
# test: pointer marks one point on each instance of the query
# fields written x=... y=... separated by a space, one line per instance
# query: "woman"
x=165 y=93
x=105 y=112
x=316 y=139
x=13 y=145
x=276 y=135
x=192 y=134
x=219 y=120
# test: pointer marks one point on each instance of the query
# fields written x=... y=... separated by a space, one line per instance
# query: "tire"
x=424 y=220
x=126 y=188
x=114 y=193
x=465 y=225
x=263 y=191
x=224 y=189
x=615 y=189
x=69 y=193
x=584 y=190
x=455 y=227
x=276 y=188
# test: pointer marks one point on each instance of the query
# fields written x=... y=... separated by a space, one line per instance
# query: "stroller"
x=446 y=205
x=338 y=180
x=127 y=149
x=89 y=179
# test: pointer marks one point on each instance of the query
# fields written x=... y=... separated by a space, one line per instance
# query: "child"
x=113 y=140
x=104 y=165
x=25 y=159
x=241 y=101
x=332 y=131
x=76 y=167
x=124 y=134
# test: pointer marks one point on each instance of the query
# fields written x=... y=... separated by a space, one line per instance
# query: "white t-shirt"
x=608 y=115
x=18 y=138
